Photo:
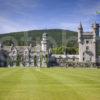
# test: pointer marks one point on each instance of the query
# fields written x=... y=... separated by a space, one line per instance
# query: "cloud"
x=7 y=25
x=19 y=15
x=21 y=7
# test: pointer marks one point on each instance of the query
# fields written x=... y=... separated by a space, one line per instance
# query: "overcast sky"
x=20 y=15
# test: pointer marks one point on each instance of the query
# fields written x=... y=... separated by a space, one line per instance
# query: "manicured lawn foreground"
x=49 y=84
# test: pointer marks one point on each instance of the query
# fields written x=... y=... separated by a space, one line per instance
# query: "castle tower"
x=80 y=33
x=87 y=44
x=44 y=44
x=95 y=28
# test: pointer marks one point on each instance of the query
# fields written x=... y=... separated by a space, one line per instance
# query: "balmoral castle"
x=41 y=55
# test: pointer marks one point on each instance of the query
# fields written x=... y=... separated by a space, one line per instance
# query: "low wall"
x=65 y=63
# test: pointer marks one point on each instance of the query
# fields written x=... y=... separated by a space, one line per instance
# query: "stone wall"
x=65 y=63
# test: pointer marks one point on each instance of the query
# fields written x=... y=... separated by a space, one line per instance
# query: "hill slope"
x=55 y=35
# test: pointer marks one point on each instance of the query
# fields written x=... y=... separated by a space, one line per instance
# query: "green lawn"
x=49 y=84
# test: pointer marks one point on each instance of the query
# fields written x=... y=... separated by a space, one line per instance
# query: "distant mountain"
x=26 y=37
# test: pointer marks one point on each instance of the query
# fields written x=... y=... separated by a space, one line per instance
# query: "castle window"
x=87 y=47
x=83 y=59
x=87 y=41
x=73 y=58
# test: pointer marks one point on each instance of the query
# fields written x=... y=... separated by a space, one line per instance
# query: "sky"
x=23 y=15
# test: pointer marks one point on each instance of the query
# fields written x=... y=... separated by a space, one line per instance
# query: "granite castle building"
x=88 y=44
x=41 y=55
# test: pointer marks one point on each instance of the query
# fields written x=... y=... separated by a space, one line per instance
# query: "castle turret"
x=44 y=44
x=87 y=44
x=80 y=31
x=95 y=27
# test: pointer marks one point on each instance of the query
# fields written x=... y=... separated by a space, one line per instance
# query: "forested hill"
x=33 y=35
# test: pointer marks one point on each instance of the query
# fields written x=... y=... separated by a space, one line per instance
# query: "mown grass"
x=49 y=84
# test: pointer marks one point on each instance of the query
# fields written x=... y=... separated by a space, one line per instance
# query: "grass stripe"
x=49 y=84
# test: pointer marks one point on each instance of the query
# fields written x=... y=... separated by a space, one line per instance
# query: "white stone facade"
x=87 y=44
